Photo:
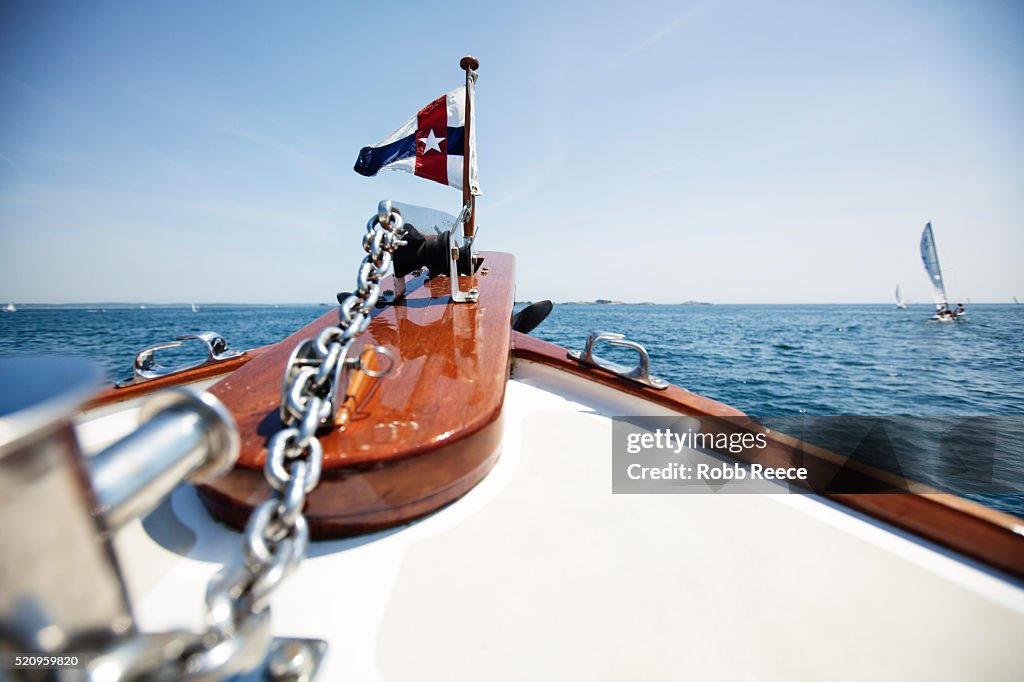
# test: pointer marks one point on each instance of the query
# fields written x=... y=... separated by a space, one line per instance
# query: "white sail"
x=900 y=303
x=931 y=265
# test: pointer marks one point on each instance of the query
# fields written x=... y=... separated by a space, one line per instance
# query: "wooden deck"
x=430 y=431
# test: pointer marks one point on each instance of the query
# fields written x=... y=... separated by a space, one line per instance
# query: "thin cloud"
x=653 y=39
x=659 y=35
x=299 y=158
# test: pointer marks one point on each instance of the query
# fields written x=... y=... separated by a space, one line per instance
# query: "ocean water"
x=113 y=334
x=822 y=359
x=767 y=360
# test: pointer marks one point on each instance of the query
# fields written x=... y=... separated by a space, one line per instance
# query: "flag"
x=430 y=145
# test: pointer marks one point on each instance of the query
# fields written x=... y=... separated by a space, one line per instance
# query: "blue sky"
x=722 y=151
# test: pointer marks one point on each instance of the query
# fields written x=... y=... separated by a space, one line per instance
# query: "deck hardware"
x=432 y=235
x=147 y=367
x=70 y=505
x=182 y=435
x=392 y=296
x=640 y=374
x=362 y=374
x=530 y=317
x=459 y=296
x=294 y=660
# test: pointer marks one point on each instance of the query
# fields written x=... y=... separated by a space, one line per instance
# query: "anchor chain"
x=275 y=539
x=314 y=384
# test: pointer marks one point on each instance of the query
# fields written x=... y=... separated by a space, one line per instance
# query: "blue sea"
x=781 y=360
x=822 y=359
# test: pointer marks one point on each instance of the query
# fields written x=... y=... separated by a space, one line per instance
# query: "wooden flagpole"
x=469 y=64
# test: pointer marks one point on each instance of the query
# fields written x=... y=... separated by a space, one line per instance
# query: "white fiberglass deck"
x=541 y=573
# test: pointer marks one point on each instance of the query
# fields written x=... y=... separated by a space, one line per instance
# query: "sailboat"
x=930 y=258
x=900 y=303
x=195 y=308
x=9 y=308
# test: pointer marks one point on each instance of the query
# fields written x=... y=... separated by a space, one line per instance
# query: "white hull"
x=540 y=572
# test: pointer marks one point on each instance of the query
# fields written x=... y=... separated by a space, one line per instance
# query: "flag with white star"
x=429 y=145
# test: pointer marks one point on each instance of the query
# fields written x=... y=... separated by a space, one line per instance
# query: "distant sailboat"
x=1015 y=301
x=195 y=308
x=900 y=303
x=9 y=308
x=930 y=257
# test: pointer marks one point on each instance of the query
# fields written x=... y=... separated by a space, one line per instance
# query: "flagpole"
x=469 y=64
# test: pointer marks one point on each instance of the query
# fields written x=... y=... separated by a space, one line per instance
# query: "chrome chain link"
x=277 y=534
